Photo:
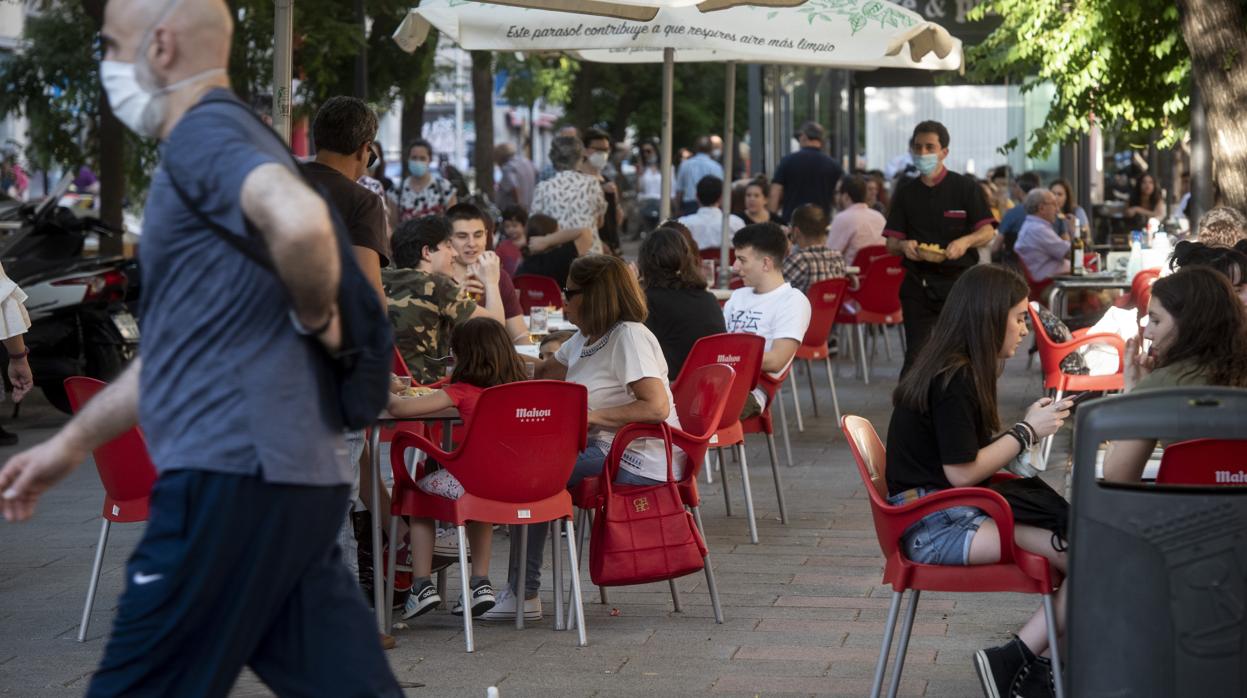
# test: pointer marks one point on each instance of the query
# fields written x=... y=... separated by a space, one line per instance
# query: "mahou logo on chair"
x=728 y=359
x=531 y=414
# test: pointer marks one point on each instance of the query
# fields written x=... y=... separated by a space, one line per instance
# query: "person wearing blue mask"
x=423 y=193
x=945 y=213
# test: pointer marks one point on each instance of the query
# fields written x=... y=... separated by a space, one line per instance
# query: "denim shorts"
x=942 y=537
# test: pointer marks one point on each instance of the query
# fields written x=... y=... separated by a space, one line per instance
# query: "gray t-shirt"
x=227 y=385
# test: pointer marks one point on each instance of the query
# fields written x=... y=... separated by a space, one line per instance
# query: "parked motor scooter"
x=80 y=322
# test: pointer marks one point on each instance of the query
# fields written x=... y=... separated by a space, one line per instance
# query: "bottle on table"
x=1077 y=254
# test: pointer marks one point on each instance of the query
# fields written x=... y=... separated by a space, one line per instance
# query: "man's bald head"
x=179 y=38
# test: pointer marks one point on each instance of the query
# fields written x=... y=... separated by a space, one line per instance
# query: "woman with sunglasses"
x=615 y=356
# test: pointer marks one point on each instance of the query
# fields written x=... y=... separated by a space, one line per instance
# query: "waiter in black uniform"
x=939 y=208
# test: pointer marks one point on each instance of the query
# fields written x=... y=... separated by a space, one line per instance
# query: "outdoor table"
x=1061 y=285
x=382 y=593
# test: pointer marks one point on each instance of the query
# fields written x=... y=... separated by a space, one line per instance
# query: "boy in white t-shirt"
x=768 y=305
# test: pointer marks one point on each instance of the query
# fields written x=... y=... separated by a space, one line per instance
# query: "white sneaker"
x=446 y=544
x=504 y=607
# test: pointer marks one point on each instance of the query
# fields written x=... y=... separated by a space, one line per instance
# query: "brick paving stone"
x=804 y=608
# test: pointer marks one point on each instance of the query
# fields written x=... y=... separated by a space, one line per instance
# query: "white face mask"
x=597 y=160
x=140 y=109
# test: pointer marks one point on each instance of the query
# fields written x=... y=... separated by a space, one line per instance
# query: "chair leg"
x=727 y=493
x=95 y=580
x=574 y=564
x=903 y=647
x=710 y=582
x=464 y=588
x=779 y=487
x=675 y=596
x=556 y=531
x=900 y=332
x=441 y=583
x=881 y=666
x=522 y=582
x=835 y=400
x=796 y=399
x=809 y=376
x=1053 y=650
x=887 y=343
x=707 y=469
x=783 y=426
x=744 y=476
x=861 y=353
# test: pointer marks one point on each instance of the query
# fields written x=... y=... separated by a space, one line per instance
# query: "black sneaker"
x=421 y=601
x=483 y=599
x=998 y=666
x=1034 y=680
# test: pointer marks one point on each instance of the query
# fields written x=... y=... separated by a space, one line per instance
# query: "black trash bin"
x=1158 y=574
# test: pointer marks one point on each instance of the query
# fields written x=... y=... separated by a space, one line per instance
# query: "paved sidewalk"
x=804 y=608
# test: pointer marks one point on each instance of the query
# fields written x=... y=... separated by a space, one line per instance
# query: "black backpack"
x=362 y=366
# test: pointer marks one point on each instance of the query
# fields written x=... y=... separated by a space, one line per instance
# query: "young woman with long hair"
x=1198 y=333
x=681 y=310
x=941 y=436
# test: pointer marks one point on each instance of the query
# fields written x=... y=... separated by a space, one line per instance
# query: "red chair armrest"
x=408 y=439
x=1065 y=349
x=991 y=502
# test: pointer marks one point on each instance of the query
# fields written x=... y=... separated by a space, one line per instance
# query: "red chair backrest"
x=1141 y=280
x=1143 y=297
x=699 y=399
x=1204 y=462
x=880 y=290
x=872 y=462
x=529 y=435
x=538 y=290
x=743 y=352
x=125 y=468
x=714 y=254
x=866 y=255
x=825 y=300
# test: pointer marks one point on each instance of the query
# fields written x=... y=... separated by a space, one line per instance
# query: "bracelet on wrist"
x=20 y=355
x=1018 y=438
x=1034 y=436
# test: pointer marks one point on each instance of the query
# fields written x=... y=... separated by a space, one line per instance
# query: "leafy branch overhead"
x=1119 y=64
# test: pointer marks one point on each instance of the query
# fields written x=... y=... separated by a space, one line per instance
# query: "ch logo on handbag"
x=640 y=504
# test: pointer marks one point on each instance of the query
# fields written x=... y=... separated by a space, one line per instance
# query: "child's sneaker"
x=483 y=599
x=504 y=607
x=421 y=601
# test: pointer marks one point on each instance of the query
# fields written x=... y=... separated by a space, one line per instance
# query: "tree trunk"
x=412 y=121
x=112 y=140
x=581 y=112
x=483 y=120
x=1216 y=37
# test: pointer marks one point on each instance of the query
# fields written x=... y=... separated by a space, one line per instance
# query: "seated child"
x=512 y=241
x=484 y=357
x=550 y=345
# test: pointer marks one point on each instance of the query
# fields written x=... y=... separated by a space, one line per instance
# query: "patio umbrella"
x=855 y=34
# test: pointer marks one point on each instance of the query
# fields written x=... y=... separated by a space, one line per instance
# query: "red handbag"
x=643 y=534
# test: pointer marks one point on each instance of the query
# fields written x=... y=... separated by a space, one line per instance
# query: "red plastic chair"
x=1204 y=462
x=743 y=352
x=877 y=301
x=866 y=255
x=1141 y=280
x=1056 y=381
x=826 y=298
x=514 y=465
x=1017 y=571
x=1143 y=299
x=538 y=290
x=127 y=473
x=699 y=402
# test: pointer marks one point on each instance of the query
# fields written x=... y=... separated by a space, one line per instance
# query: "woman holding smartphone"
x=941 y=436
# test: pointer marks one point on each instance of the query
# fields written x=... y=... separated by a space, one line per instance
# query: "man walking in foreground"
x=238 y=564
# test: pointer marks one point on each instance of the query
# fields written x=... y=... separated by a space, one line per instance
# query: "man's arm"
x=780 y=355
x=957 y=248
x=545 y=243
x=902 y=248
x=295 y=224
x=30 y=473
x=370 y=263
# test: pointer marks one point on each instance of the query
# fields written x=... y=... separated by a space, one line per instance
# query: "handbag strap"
x=667 y=445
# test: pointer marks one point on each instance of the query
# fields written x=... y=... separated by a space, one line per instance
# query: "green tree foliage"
x=1122 y=63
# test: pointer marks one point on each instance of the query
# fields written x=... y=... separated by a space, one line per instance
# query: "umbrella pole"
x=668 y=105
x=283 y=37
x=729 y=154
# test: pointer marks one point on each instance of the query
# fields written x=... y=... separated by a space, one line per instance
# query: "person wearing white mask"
x=940 y=209
x=597 y=165
x=239 y=564
x=423 y=193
